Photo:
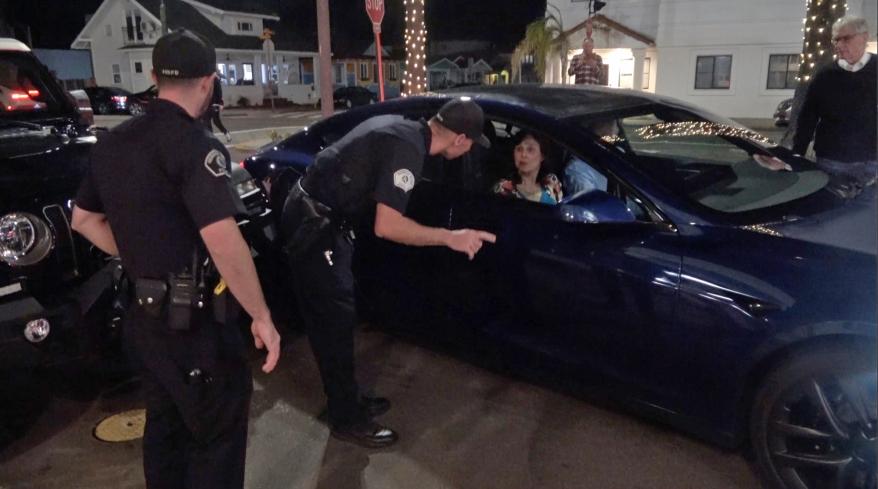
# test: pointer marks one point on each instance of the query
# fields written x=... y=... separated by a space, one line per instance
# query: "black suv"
x=56 y=290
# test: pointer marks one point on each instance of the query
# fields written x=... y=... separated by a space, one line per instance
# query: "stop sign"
x=375 y=9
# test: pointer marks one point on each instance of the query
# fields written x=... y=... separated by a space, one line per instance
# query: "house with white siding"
x=737 y=59
x=122 y=33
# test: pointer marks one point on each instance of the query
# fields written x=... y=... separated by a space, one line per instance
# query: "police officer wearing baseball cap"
x=158 y=195
x=372 y=169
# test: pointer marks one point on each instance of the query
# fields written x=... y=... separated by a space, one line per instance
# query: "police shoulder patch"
x=215 y=162
x=404 y=179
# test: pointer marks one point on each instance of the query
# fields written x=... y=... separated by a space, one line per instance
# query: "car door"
x=586 y=296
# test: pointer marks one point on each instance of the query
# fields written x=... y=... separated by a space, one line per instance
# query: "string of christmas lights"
x=415 y=74
x=817 y=35
x=698 y=128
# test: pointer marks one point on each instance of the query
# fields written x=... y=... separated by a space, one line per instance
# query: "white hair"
x=857 y=23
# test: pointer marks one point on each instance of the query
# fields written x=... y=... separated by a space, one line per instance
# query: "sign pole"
x=375 y=10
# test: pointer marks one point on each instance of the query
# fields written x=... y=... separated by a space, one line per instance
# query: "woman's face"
x=528 y=156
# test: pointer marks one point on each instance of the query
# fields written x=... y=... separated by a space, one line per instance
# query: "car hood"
x=36 y=166
x=853 y=225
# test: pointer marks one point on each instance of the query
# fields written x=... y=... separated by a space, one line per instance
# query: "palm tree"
x=543 y=38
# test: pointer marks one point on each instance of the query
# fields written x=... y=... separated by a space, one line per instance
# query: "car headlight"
x=246 y=188
x=25 y=239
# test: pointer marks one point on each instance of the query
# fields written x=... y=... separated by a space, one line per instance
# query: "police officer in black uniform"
x=157 y=194
x=375 y=166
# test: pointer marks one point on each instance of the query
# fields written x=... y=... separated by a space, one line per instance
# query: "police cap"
x=463 y=116
x=183 y=54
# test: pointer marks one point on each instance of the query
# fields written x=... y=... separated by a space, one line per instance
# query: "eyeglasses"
x=846 y=39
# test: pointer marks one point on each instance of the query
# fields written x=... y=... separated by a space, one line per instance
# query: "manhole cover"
x=124 y=426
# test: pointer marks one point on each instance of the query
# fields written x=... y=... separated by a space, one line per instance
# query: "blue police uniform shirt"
x=159 y=178
x=380 y=160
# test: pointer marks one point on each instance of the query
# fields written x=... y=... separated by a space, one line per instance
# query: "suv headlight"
x=25 y=239
x=246 y=188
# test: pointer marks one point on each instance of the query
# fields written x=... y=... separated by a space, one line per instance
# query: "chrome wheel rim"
x=822 y=432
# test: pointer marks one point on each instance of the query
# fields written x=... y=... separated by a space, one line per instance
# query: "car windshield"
x=713 y=162
x=23 y=88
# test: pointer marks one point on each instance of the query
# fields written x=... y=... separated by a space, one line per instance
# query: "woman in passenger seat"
x=531 y=179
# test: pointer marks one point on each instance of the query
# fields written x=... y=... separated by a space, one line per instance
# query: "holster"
x=315 y=225
x=150 y=295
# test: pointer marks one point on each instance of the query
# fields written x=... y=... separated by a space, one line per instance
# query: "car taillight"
x=243 y=164
x=19 y=96
x=33 y=93
x=119 y=99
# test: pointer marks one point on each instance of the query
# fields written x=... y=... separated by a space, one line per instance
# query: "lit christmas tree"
x=415 y=76
x=817 y=44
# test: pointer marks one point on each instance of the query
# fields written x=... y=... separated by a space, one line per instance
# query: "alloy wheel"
x=822 y=432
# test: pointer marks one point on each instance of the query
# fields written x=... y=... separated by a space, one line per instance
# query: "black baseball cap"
x=183 y=54
x=463 y=116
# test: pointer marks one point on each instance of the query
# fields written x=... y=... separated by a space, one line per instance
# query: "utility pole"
x=163 y=17
x=325 y=58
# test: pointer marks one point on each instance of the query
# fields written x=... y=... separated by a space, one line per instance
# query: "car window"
x=714 y=163
x=24 y=87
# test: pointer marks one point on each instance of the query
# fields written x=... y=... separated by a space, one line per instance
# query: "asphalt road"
x=460 y=427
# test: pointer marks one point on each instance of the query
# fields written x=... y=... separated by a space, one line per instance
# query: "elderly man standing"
x=839 y=107
x=586 y=66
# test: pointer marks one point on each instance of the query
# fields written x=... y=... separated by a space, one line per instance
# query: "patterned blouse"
x=550 y=193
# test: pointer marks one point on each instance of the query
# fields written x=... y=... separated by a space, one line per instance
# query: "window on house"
x=109 y=30
x=233 y=74
x=374 y=72
x=245 y=26
x=394 y=74
x=138 y=67
x=647 y=69
x=117 y=74
x=338 y=73
x=782 y=71
x=713 y=72
x=364 y=71
x=132 y=25
x=223 y=74
x=247 y=68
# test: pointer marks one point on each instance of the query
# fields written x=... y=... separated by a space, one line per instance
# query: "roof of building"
x=245 y=6
x=182 y=15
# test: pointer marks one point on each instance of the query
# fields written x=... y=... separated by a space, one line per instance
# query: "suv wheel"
x=102 y=108
x=813 y=423
x=135 y=108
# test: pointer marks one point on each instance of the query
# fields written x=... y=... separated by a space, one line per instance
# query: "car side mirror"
x=594 y=206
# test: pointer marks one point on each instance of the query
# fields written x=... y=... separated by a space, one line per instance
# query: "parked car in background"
x=703 y=276
x=782 y=113
x=140 y=100
x=108 y=100
x=353 y=96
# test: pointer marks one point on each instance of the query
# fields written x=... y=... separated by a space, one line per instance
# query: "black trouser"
x=325 y=295
x=212 y=114
x=196 y=425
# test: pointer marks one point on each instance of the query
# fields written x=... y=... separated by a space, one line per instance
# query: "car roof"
x=8 y=44
x=558 y=100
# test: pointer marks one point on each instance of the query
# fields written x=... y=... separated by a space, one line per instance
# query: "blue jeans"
x=863 y=172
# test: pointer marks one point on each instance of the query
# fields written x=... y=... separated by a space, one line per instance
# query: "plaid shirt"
x=585 y=74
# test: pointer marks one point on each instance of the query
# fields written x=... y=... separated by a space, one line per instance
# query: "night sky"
x=55 y=23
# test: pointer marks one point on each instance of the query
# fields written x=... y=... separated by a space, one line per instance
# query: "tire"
x=813 y=420
x=135 y=109
x=102 y=108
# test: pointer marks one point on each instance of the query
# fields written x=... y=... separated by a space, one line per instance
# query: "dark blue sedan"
x=698 y=274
